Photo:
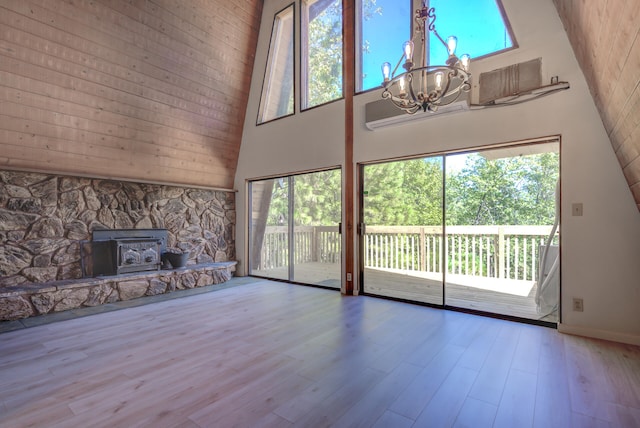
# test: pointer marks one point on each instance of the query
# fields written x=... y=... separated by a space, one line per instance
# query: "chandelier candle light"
x=426 y=87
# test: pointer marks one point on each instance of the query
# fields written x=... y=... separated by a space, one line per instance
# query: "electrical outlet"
x=349 y=277
x=578 y=305
x=576 y=209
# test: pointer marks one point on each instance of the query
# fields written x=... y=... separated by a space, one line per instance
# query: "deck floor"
x=499 y=296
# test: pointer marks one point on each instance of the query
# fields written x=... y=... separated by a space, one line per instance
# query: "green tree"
x=318 y=198
x=404 y=193
x=423 y=191
x=508 y=191
x=324 y=49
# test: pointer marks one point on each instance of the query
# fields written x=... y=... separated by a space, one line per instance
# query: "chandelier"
x=422 y=86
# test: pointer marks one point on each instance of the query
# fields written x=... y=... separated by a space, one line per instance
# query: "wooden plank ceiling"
x=152 y=90
x=605 y=35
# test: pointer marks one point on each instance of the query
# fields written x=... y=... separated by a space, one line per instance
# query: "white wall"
x=600 y=250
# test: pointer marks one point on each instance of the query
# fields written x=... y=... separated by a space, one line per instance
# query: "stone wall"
x=22 y=301
x=45 y=218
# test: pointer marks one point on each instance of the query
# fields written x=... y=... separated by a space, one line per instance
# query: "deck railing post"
x=501 y=254
x=314 y=244
x=423 y=252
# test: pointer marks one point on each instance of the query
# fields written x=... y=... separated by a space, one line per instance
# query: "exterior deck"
x=501 y=296
x=488 y=268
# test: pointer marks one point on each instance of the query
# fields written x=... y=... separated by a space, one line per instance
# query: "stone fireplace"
x=46 y=219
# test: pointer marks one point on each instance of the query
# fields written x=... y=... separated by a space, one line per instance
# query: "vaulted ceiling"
x=151 y=90
x=605 y=35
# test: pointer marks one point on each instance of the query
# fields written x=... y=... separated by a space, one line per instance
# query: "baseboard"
x=599 y=334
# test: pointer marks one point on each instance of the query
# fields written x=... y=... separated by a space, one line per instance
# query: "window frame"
x=268 y=68
x=303 y=57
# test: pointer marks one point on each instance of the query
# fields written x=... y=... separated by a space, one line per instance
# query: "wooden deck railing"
x=510 y=252
x=320 y=244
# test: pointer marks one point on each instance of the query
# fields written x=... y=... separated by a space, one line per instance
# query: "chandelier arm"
x=397 y=65
x=433 y=30
x=402 y=104
x=412 y=94
x=431 y=14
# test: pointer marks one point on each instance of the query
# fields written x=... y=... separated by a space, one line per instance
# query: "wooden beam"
x=348 y=75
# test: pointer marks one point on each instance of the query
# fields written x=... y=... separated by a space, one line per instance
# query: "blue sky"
x=477 y=24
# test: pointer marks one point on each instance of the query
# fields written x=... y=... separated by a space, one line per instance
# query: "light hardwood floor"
x=269 y=354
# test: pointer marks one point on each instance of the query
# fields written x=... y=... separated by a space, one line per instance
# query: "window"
x=479 y=25
x=321 y=52
x=384 y=25
x=277 y=99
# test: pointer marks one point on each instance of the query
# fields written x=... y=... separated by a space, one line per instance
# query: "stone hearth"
x=39 y=299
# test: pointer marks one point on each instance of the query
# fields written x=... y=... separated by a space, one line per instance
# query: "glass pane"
x=317 y=240
x=478 y=25
x=501 y=211
x=403 y=215
x=277 y=88
x=269 y=239
x=384 y=27
x=321 y=51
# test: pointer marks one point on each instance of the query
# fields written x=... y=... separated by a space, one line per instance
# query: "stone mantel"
x=33 y=299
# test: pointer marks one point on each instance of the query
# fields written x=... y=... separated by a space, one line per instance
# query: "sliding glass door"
x=295 y=228
x=476 y=230
x=269 y=228
x=501 y=207
x=402 y=241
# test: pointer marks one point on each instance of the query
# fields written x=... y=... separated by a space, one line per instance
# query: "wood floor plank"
x=373 y=404
x=623 y=416
x=527 y=353
x=445 y=405
x=493 y=374
x=553 y=402
x=584 y=421
x=518 y=400
x=334 y=406
x=269 y=354
x=476 y=414
x=426 y=384
x=390 y=419
x=588 y=385
x=478 y=350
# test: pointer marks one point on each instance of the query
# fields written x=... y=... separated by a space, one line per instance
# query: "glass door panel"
x=269 y=230
x=403 y=241
x=501 y=231
x=317 y=242
x=294 y=231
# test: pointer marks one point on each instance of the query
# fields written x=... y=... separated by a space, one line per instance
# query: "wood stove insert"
x=119 y=251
